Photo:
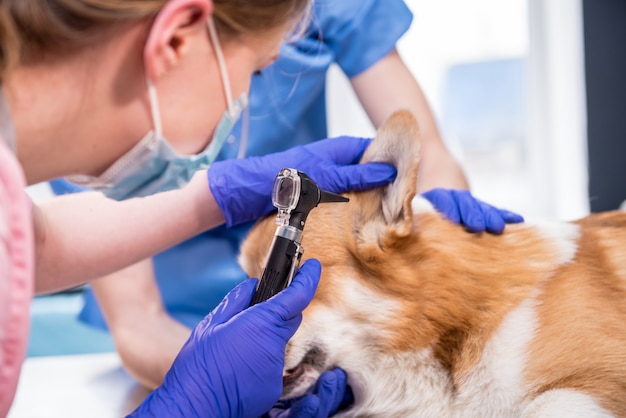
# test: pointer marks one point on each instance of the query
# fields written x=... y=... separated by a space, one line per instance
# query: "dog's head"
x=363 y=246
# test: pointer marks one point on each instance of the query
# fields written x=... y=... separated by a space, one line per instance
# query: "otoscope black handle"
x=282 y=264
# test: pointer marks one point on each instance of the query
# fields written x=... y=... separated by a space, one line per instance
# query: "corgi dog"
x=429 y=320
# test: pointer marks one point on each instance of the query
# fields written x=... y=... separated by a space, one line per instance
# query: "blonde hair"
x=31 y=29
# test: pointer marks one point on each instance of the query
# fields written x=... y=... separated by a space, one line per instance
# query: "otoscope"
x=294 y=194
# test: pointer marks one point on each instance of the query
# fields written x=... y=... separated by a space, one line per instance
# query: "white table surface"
x=88 y=385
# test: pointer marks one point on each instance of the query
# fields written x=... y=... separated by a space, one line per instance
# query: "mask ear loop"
x=245 y=124
x=7 y=131
x=154 y=108
x=222 y=64
x=154 y=98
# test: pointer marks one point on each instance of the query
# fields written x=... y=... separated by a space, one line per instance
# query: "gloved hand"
x=243 y=188
x=462 y=208
x=232 y=364
x=329 y=394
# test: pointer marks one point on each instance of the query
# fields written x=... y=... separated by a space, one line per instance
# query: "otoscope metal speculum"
x=294 y=194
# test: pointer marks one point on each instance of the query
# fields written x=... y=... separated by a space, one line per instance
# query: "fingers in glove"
x=234 y=302
x=361 y=177
x=348 y=399
x=511 y=217
x=445 y=203
x=307 y=407
x=499 y=218
x=324 y=401
x=470 y=210
x=494 y=223
x=331 y=388
x=342 y=150
x=290 y=302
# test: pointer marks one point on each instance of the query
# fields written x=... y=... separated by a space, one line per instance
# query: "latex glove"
x=232 y=364
x=243 y=188
x=462 y=208
x=329 y=394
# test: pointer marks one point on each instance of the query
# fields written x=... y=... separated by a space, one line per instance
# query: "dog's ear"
x=384 y=211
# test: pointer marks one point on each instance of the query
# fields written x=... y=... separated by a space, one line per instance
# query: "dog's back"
x=580 y=341
x=429 y=320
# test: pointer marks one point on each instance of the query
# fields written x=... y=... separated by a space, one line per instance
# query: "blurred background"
x=529 y=96
x=506 y=82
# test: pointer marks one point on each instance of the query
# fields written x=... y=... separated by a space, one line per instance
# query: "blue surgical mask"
x=152 y=166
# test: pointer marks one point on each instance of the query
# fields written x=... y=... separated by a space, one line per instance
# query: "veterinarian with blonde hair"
x=287 y=108
x=92 y=89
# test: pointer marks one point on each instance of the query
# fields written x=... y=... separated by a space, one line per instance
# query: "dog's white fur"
x=431 y=321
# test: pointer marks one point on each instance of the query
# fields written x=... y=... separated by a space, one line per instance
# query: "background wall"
x=506 y=83
x=605 y=66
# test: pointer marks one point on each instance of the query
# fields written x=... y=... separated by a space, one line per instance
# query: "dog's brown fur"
x=454 y=289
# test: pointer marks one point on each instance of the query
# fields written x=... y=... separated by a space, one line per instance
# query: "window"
x=505 y=81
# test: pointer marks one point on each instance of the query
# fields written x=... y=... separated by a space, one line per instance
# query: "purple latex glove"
x=232 y=364
x=243 y=188
x=461 y=207
x=329 y=395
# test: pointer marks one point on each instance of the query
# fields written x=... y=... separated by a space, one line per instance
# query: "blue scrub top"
x=287 y=108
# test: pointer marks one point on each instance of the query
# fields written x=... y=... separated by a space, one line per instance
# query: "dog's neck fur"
x=430 y=320
x=456 y=304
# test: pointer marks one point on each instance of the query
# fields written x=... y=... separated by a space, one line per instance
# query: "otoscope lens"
x=286 y=189
x=284 y=192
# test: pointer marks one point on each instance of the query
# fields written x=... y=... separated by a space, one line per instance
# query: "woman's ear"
x=170 y=32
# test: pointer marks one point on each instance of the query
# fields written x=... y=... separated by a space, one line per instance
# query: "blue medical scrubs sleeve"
x=90 y=313
x=62 y=186
x=369 y=35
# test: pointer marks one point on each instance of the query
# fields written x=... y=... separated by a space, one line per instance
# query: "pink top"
x=16 y=273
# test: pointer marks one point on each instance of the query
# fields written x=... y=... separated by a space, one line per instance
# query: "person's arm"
x=84 y=236
x=146 y=337
x=388 y=86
